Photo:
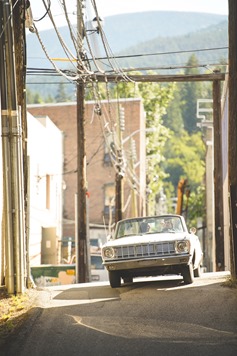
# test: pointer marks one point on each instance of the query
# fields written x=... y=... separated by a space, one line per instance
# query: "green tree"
x=61 y=95
x=155 y=100
x=172 y=151
x=173 y=119
x=196 y=205
x=33 y=98
x=190 y=92
x=185 y=158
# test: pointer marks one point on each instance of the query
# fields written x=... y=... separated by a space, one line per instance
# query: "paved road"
x=149 y=317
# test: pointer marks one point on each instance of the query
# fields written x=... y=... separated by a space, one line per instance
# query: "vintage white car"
x=152 y=246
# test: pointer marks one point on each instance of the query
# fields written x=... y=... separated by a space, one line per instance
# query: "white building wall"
x=45 y=151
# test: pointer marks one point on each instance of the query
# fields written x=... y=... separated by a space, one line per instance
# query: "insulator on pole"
x=121 y=118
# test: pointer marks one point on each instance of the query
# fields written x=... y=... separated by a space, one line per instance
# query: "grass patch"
x=230 y=282
x=12 y=311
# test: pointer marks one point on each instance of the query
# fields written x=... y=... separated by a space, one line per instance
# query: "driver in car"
x=168 y=226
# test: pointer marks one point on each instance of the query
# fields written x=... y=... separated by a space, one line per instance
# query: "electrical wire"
x=52 y=62
x=165 y=53
x=80 y=63
x=106 y=45
x=46 y=13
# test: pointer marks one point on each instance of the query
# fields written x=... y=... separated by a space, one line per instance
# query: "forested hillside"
x=123 y=31
x=209 y=46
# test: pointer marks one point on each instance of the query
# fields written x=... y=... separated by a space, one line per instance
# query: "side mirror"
x=193 y=230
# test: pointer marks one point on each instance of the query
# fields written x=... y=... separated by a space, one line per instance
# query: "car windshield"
x=149 y=225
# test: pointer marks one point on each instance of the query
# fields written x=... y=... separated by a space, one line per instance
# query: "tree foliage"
x=156 y=98
x=185 y=158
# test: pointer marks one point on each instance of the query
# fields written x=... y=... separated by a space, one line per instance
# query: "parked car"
x=95 y=246
x=98 y=272
x=152 y=246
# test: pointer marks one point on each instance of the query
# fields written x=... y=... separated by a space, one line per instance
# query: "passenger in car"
x=168 y=226
x=129 y=229
x=144 y=227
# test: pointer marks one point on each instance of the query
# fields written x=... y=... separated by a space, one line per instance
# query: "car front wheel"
x=188 y=275
x=114 y=279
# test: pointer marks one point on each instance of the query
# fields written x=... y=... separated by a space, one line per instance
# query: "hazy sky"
x=113 y=7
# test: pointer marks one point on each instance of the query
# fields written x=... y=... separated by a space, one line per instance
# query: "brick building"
x=100 y=172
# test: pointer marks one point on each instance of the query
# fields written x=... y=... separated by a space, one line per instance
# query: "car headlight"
x=108 y=252
x=182 y=246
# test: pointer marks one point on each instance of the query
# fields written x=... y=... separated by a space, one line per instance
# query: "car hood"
x=148 y=238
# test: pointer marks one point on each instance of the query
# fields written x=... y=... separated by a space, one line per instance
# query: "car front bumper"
x=147 y=262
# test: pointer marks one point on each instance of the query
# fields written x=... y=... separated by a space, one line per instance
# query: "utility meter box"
x=49 y=246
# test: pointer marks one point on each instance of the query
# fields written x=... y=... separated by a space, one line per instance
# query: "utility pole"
x=232 y=135
x=82 y=274
x=12 y=159
x=119 y=172
x=218 y=180
x=134 y=190
x=180 y=194
x=19 y=18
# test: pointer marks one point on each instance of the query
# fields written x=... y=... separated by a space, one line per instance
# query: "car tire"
x=197 y=271
x=114 y=279
x=188 y=275
x=128 y=280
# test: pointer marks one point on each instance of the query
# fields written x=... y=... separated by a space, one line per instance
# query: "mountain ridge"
x=136 y=28
x=214 y=35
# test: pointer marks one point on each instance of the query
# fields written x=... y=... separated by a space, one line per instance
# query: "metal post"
x=7 y=216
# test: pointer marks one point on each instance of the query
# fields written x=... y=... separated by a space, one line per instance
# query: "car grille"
x=145 y=250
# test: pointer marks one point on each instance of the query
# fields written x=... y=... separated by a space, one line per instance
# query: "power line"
x=125 y=56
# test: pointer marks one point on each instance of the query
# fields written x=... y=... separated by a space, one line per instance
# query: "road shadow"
x=104 y=292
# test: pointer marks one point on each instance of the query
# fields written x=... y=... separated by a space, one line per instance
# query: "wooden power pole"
x=218 y=177
x=232 y=135
x=82 y=272
x=13 y=186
